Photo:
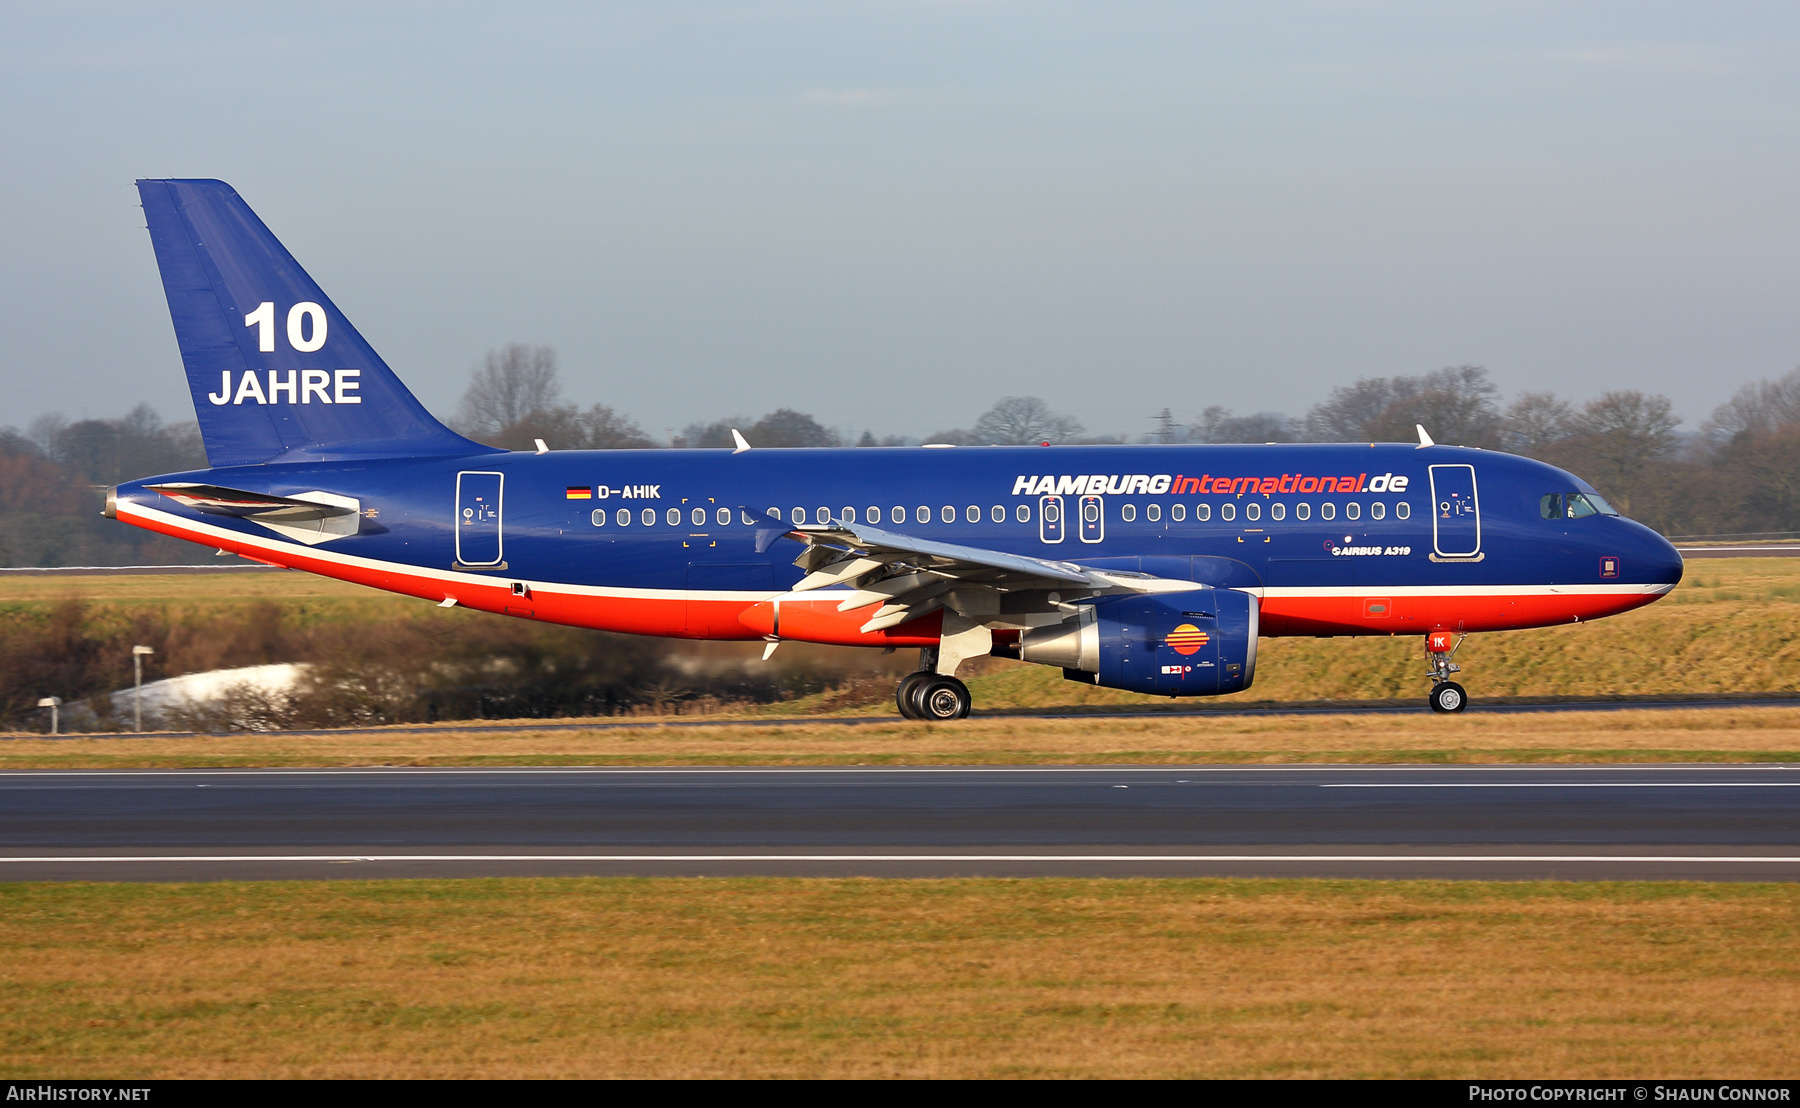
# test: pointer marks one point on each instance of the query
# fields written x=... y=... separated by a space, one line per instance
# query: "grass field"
x=1685 y=735
x=1027 y=978
x=1732 y=625
x=860 y=978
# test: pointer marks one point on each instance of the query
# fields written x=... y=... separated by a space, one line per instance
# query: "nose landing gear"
x=1446 y=695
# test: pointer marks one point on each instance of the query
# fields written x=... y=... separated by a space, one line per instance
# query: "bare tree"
x=786 y=427
x=1217 y=424
x=1623 y=441
x=1455 y=404
x=781 y=427
x=1023 y=421
x=510 y=384
x=1758 y=409
x=1536 y=423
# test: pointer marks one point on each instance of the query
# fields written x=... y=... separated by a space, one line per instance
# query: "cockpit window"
x=1593 y=502
x=1574 y=505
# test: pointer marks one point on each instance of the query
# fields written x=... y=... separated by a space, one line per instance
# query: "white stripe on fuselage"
x=207 y=532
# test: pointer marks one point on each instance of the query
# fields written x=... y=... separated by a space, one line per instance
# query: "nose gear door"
x=1455 y=512
x=478 y=540
x=1050 y=518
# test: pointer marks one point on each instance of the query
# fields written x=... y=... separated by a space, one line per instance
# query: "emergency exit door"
x=1050 y=518
x=478 y=519
x=1455 y=512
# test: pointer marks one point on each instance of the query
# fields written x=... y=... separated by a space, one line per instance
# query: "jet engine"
x=1196 y=643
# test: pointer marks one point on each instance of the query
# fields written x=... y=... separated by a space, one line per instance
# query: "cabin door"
x=1455 y=512
x=478 y=519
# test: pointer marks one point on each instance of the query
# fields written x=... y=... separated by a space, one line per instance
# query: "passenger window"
x=799 y=515
x=1403 y=510
x=1228 y=511
x=1153 y=512
x=1022 y=513
x=821 y=515
x=1128 y=512
x=1178 y=512
x=648 y=515
x=923 y=514
x=898 y=515
x=698 y=515
x=1253 y=511
x=1378 y=510
x=674 y=517
x=1278 y=510
x=947 y=514
x=1328 y=510
x=1303 y=511
x=623 y=517
x=723 y=515
x=599 y=517
x=871 y=515
x=1551 y=506
x=746 y=518
x=972 y=514
x=1203 y=512
x=997 y=514
x=1353 y=510
x=848 y=516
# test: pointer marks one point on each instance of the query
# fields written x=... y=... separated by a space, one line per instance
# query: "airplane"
x=1150 y=568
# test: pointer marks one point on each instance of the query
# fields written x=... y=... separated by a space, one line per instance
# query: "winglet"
x=737 y=437
x=1424 y=439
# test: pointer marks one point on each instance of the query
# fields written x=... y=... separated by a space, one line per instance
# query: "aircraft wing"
x=910 y=577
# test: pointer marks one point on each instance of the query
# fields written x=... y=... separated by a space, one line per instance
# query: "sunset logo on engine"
x=1187 y=639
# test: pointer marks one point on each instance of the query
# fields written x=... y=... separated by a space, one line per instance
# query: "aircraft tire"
x=941 y=698
x=903 y=696
x=1448 y=697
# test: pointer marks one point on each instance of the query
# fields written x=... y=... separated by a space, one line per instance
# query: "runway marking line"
x=1463 y=858
x=1200 y=768
x=1566 y=785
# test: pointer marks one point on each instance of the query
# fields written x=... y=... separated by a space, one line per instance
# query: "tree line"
x=1738 y=474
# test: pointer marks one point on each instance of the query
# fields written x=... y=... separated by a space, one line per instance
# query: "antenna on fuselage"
x=738 y=437
x=1424 y=439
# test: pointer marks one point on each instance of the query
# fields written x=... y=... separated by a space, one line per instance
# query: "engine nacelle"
x=1196 y=643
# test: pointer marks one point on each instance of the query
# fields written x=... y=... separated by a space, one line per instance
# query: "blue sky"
x=890 y=214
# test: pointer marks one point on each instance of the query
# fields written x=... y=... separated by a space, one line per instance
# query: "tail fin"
x=276 y=370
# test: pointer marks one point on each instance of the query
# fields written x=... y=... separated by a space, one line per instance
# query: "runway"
x=1501 y=822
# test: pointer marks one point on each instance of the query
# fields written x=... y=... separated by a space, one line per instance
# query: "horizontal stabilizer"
x=310 y=517
x=220 y=501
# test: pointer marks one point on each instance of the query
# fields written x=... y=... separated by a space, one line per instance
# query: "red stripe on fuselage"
x=677 y=615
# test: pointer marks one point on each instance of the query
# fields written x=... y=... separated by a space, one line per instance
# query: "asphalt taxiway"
x=1504 y=822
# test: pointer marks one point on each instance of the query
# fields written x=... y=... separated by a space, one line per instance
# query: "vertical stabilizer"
x=276 y=370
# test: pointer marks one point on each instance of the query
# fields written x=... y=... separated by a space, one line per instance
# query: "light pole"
x=52 y=703
x=137 y=686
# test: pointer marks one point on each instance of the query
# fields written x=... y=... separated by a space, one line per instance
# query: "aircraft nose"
x=1663 y=562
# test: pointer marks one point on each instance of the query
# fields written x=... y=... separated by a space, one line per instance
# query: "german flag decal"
x=1187 y=639
x=580 y=492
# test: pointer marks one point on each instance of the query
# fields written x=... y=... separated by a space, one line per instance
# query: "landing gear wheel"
x=1448 y=696
x=940 y=698
x=903 y=696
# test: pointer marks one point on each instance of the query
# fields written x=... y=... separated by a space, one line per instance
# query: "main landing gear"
x=1446 y=695
x=932 y=696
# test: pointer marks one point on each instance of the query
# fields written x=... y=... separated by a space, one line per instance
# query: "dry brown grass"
x=1712 y=735
x=855 y=978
